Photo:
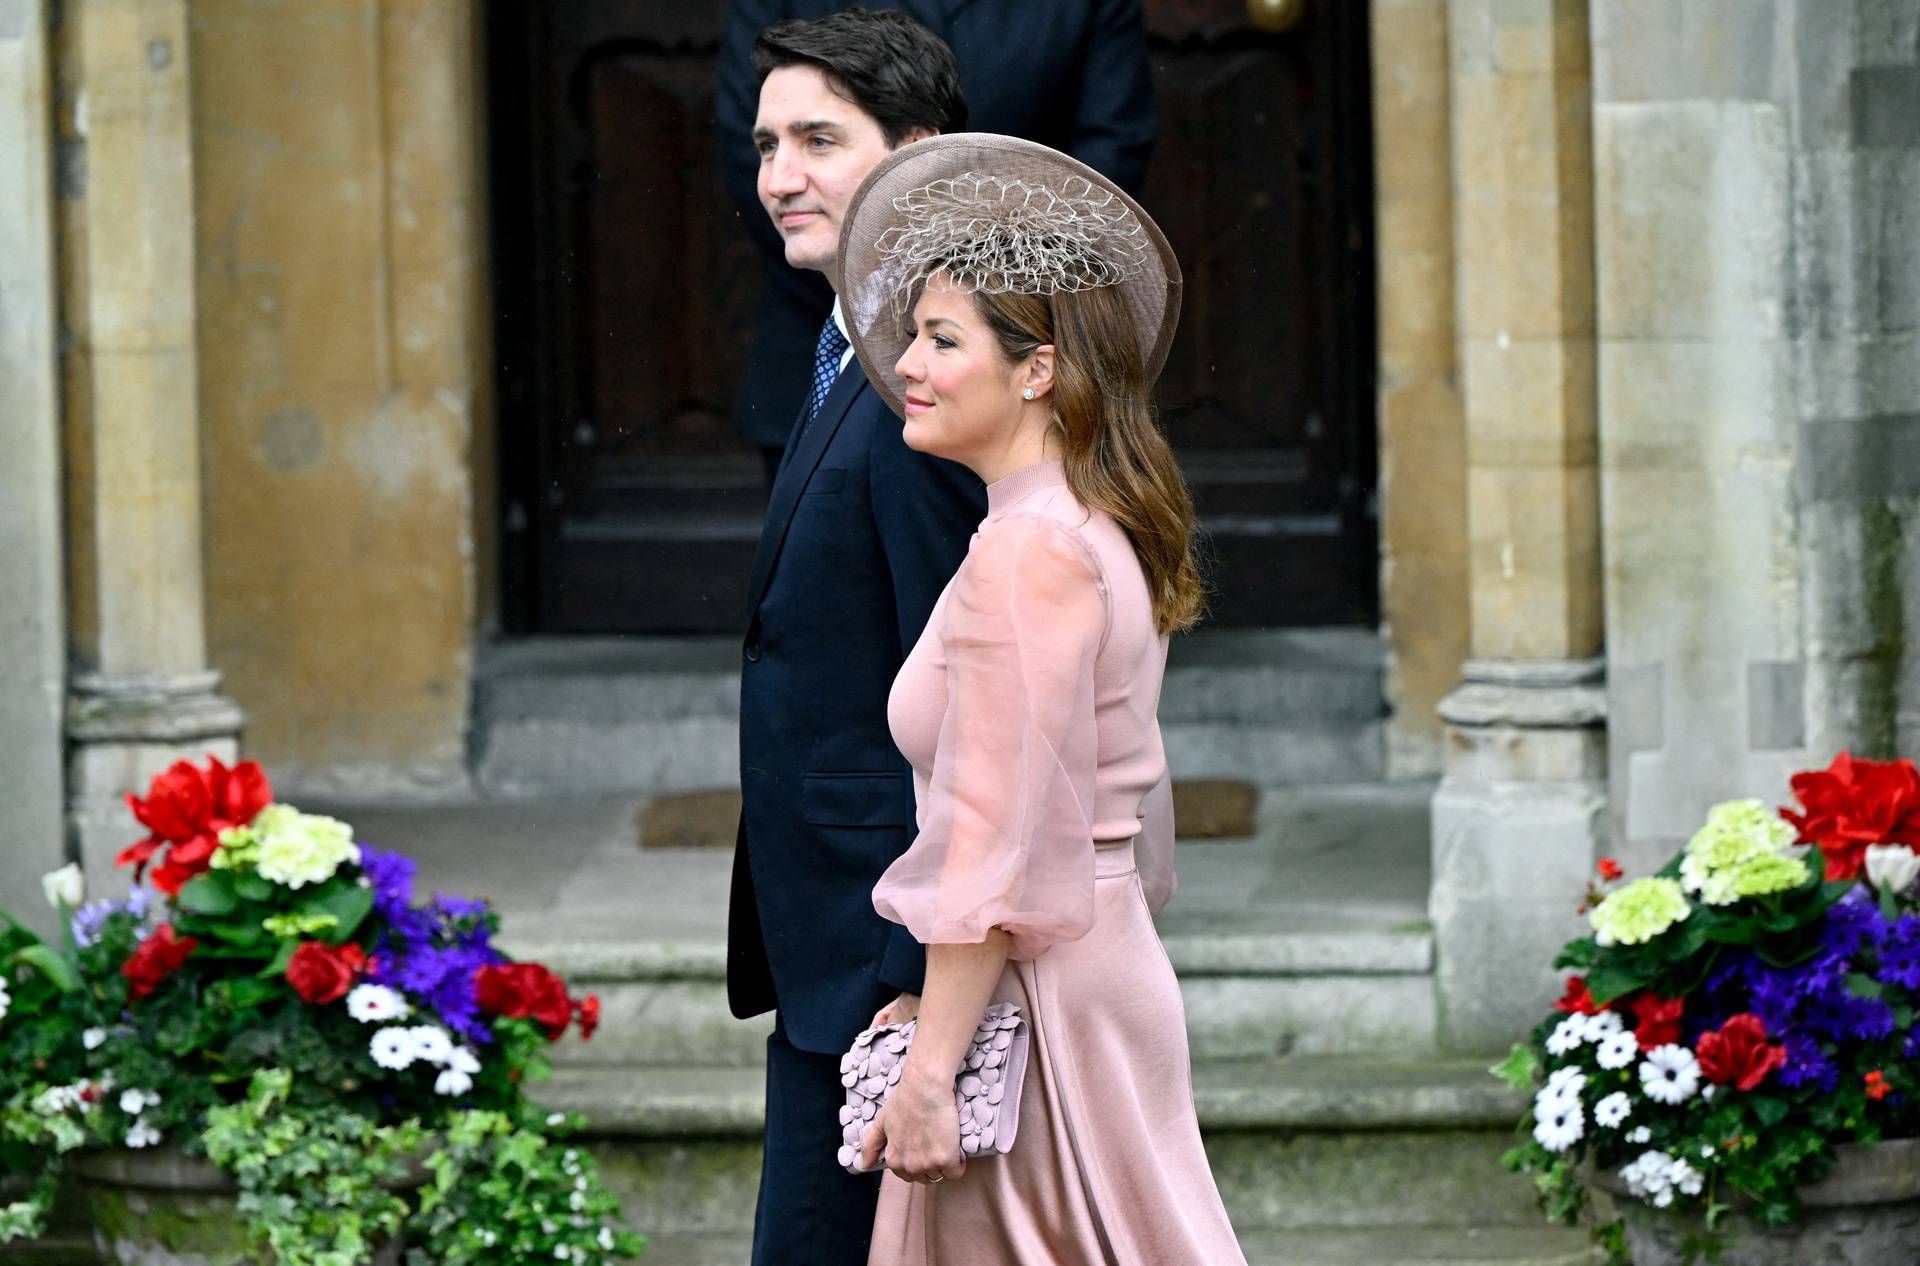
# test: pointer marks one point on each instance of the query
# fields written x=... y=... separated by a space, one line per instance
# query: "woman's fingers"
x=874 y=1141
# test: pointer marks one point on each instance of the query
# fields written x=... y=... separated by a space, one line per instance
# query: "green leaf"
x=252 y=887
x=1615 y=980
x=1862 y=985
x=1769 y=1110
x=278 y=966
x=1518 y=1068
x=49 y=964
x=347 y=902
x=211 y=893
x=242 y=992
x=1579 y=953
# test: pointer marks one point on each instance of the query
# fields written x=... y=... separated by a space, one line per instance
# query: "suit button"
x=753 y=652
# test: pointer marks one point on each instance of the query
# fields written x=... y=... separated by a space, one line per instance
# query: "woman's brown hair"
x=1116 y=457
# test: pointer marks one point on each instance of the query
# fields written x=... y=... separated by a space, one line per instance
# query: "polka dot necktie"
x=826 y=368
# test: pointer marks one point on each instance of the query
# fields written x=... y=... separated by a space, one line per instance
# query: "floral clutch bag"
x=986 y=1091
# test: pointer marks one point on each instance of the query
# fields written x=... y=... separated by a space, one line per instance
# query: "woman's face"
x=963 y=396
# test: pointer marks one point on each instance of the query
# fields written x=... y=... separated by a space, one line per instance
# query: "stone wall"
x=1758 y=189
x=345 y=379
x=32 y=615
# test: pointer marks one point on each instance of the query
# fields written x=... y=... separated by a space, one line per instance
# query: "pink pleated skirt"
x=1107 y=1169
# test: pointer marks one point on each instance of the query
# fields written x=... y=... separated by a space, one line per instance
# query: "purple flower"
x=90 y=920
x=1900 y=955
x=1807 y=1064
x=391 y=875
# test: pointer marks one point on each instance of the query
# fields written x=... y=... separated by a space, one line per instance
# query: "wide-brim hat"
x=1017 y=216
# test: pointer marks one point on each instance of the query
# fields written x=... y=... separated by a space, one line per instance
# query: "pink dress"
x=1028 y=712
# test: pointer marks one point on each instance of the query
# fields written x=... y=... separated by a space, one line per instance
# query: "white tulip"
x=1892 y=867
x=66 y=886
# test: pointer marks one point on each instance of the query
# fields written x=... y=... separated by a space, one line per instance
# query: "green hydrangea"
x=286 y=926
x=1739 y=835
x=288 y=847
x=1758 y=876
x=1639 y=912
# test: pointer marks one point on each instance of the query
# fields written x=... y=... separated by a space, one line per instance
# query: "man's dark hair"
x=881 y=60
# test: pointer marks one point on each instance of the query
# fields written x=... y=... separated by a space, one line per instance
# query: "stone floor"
x=1322 y=858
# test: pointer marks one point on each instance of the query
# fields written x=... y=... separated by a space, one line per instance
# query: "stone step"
x=1306 y=991
x=1329 y=1143
x=1392 y=1246
x=591 y=716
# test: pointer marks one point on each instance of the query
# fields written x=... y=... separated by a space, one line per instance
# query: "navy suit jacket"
x=862 y=534
x=1072 y=74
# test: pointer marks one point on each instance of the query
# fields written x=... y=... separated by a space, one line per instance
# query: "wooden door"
x=625 y=291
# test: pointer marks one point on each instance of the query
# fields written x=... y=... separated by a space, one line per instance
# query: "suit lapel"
x=796 y=469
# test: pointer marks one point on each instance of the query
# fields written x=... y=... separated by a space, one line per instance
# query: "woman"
x=1038 y=304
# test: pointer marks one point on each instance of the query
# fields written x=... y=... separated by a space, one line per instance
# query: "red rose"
x=589 y=1009
x=187 y=808
x=1854 y=803
x=525 y=991
x=1659 y=1020
x=1738 y=1054
x=1576 y=1000
x=321 y=973
x=156 y=958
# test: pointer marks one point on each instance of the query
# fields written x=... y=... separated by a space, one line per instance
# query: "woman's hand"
x=919 y=1130
x=899 y=1011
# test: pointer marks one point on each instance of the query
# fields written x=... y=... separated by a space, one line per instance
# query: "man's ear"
x=1038 y=377
x=917 y=134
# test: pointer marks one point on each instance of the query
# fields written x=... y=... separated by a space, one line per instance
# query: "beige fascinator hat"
x=1002 y=215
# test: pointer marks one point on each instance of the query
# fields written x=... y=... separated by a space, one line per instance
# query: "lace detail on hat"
x=1012 y=237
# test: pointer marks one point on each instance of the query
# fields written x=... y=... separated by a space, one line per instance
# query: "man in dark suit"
x=1072 y=74
x=862 y=533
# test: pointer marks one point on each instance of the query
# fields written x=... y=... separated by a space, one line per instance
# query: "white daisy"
x=392 y=1048
x=134 y=1102
x=452 y=1081
x=142 y=1134
x=1561 y=1127
x=1649 y=1175
x=605 y=1238
x=1663 y=1197
x=1567 y=1081
x=1612 y=1110
x=1670 y=1074
x=371 y=1004
x=1598 y=1028
x=1685 y=1178
x=1640 y=1134
x=1618 y=1050
x=1567 y=1035
x=1551 y=1103
x=93 y=1039
x=556 y=1118
x=431 y=1043
x=463 y=1060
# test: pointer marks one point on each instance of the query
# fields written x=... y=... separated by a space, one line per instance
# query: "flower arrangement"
x=272 y=997
x=1740 y=1013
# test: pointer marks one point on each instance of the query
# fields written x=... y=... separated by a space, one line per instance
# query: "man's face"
x=815 y=148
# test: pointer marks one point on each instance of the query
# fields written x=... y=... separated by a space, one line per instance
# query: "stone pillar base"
x=122 y=729
x=1517 y=823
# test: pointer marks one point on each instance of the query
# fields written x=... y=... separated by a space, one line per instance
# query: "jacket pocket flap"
x=856 y=800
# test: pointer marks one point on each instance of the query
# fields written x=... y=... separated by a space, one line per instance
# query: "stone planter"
x=160 y=1208
x=1865 y=1213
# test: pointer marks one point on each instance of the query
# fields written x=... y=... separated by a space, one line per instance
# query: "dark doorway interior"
x=624 y=288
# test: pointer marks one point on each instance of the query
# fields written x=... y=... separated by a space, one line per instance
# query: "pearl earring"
x=1027 y=394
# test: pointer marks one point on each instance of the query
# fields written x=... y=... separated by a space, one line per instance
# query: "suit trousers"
x=811 y=1212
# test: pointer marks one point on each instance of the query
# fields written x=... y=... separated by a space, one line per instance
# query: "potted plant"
x=271 y=1051
x=1734 y=1062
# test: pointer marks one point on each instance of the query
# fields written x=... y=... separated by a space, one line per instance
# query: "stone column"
x=1423 y=457
x=143 y=694
x=1521 y=807
x=32 y=616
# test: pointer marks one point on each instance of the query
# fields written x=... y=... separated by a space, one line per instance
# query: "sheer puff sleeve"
x=1006 y=835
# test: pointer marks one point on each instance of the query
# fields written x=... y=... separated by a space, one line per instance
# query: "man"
x=1071 y=74
x=862 y=533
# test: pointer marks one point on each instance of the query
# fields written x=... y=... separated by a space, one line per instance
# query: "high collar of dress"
x=1009 y=491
